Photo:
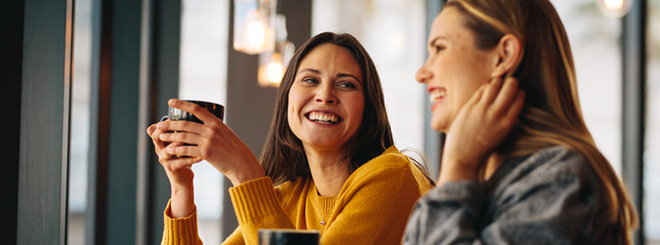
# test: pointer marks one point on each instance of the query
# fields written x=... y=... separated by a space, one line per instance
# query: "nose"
x=325 y=94
x=423 y=74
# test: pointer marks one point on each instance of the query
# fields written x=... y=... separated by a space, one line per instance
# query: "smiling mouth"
x=436 y=95
x=325 y=118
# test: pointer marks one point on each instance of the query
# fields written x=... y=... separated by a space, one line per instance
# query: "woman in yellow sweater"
x=329 y=162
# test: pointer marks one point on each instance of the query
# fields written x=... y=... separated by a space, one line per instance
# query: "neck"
x=328 y=171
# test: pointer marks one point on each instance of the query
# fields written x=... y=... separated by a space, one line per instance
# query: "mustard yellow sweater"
x=371 y=208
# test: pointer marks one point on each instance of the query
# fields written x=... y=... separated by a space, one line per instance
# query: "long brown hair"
x=546 y=73
x=284 y=158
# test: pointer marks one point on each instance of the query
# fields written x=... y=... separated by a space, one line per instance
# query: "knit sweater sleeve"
x=181 y=230
x=378 y=199
x=257 y=206
x=236 y=238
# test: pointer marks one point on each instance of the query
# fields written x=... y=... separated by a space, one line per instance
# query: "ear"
x=508 y=52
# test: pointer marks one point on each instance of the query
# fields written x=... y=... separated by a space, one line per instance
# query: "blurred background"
x=203 y=66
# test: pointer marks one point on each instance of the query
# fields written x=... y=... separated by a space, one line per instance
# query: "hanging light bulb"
x=254 y=22
x=614 y=8
x=271 y=69
x=254 y=34
x=272 y=64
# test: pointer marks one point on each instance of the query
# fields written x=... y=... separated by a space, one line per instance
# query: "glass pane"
x=394 y=34
x=595 y=42
x=652 y=147
x=204 y=28
x=82 y=54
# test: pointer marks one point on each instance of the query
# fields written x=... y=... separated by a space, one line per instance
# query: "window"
x=651 y=157
x=203 y=72
x=80 y=120
x=394 y=34
x=594 y=40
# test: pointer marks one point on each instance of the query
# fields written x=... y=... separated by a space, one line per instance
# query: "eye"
x=346 y=85
x=309 y=80
x=438 y=48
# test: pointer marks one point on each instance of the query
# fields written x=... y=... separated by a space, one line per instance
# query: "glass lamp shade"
x=254 y=22
x=273 y=64
x=271 y=69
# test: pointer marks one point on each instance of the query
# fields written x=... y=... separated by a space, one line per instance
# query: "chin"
x=439 y=129
x=439 y=125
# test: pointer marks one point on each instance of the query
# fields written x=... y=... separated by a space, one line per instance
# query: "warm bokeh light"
x=396 y=42
x=614 y=4
x=275 y=72
x=254 y=32
x=614 y=8
x=271 y=72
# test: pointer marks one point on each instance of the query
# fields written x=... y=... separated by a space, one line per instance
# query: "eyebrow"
x=436 y=39
x=315 y=71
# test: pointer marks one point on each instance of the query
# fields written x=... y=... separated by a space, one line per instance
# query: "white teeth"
x=322 y=117
x=436 y=95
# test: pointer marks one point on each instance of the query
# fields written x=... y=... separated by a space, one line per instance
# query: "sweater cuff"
x=179 y=230
x=254 y=199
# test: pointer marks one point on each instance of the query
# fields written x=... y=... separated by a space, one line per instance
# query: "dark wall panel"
x=11 y=63
x=45 y=97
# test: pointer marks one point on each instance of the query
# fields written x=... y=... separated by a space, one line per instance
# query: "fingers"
x=509 y=102
x=507 y=93
x=151 y=129
x=176 y=164
x=161 y=143
x=180 y=126
x=187 y=150
x=476 y=97
x=491 y=90
x=168 y=157
x=155 y=133
x=182 y=137
x=199 y=112
x=517 y=105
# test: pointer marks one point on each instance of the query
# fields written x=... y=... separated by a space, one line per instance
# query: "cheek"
x=291 y=108
x=461 y=94
x=289 y=115
x=357 y=110
x=294 y=102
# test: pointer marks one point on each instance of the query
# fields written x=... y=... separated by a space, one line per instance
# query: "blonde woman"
x=519 y=164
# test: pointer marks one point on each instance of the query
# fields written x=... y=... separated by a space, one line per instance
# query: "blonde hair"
x=546 y=73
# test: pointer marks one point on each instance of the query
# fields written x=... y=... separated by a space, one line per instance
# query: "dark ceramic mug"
x=288 y=237
x=176 y=114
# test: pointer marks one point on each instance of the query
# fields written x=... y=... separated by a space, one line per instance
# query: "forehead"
x=449 y=24
x=331 y=58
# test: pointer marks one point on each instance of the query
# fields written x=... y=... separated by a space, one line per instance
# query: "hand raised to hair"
x=212 y=141
x=479 y=128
